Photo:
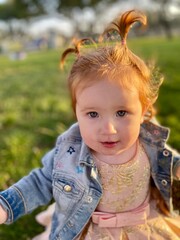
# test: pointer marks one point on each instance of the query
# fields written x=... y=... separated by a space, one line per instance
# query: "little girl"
x=110 y=173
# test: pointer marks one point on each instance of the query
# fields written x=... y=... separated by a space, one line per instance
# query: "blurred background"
x=34 y=24
x=34 y=101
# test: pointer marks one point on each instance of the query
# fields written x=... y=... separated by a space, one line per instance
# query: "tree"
x=20 y=9
x=27 y=8
x=163 y=17
x=69 y=4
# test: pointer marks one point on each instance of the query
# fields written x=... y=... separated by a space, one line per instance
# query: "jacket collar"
x=155 y=134
x=85 y=155
x=73 y=135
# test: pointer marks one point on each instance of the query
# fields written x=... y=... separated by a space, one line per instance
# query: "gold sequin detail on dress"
x=122 y=183
x=117 y=177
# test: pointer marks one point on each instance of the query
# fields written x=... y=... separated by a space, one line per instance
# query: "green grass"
x=35 y=109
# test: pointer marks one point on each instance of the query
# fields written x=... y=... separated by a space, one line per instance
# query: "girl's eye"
x=93 y=114
x=121 y=113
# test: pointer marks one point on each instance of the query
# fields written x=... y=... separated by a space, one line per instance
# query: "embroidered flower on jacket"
x=71 y=150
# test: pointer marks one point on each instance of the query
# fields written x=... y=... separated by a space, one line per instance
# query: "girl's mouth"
x=109 y=144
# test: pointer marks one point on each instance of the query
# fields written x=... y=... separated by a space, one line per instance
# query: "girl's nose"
x=109 y=128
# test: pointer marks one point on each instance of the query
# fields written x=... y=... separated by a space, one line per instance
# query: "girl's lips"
x=109 y=144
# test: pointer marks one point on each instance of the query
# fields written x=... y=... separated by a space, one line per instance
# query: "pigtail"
x=76 y=50
x=127 y=20
x=123 y=23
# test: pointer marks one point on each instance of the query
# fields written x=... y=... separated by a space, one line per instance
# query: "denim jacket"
x=69 y=175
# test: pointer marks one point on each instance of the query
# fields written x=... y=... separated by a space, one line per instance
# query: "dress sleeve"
x=30 y=192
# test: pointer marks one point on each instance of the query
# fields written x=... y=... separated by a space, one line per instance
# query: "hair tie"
x=123 y=42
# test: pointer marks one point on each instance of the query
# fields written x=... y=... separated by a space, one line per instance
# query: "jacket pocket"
x=67 y=191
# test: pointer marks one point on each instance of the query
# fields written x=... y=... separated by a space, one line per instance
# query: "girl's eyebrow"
x=89 y=109
x=97 y=109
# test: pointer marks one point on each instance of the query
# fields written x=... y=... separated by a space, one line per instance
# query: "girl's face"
x=109 y=117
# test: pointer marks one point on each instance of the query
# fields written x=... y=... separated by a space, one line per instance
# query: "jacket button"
x=164 y=182
x=70 y=224
x=67 y=188
x=89 y=199
x=166 y=153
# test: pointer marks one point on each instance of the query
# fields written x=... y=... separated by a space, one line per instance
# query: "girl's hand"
x=3 y=215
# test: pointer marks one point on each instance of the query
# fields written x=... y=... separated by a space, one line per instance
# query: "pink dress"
x=125 y=210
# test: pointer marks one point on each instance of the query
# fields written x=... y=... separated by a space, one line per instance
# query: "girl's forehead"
x=106 y=96
x=106 y=89
x=115 y=83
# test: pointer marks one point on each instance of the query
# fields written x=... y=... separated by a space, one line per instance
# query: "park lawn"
x=35 y=108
